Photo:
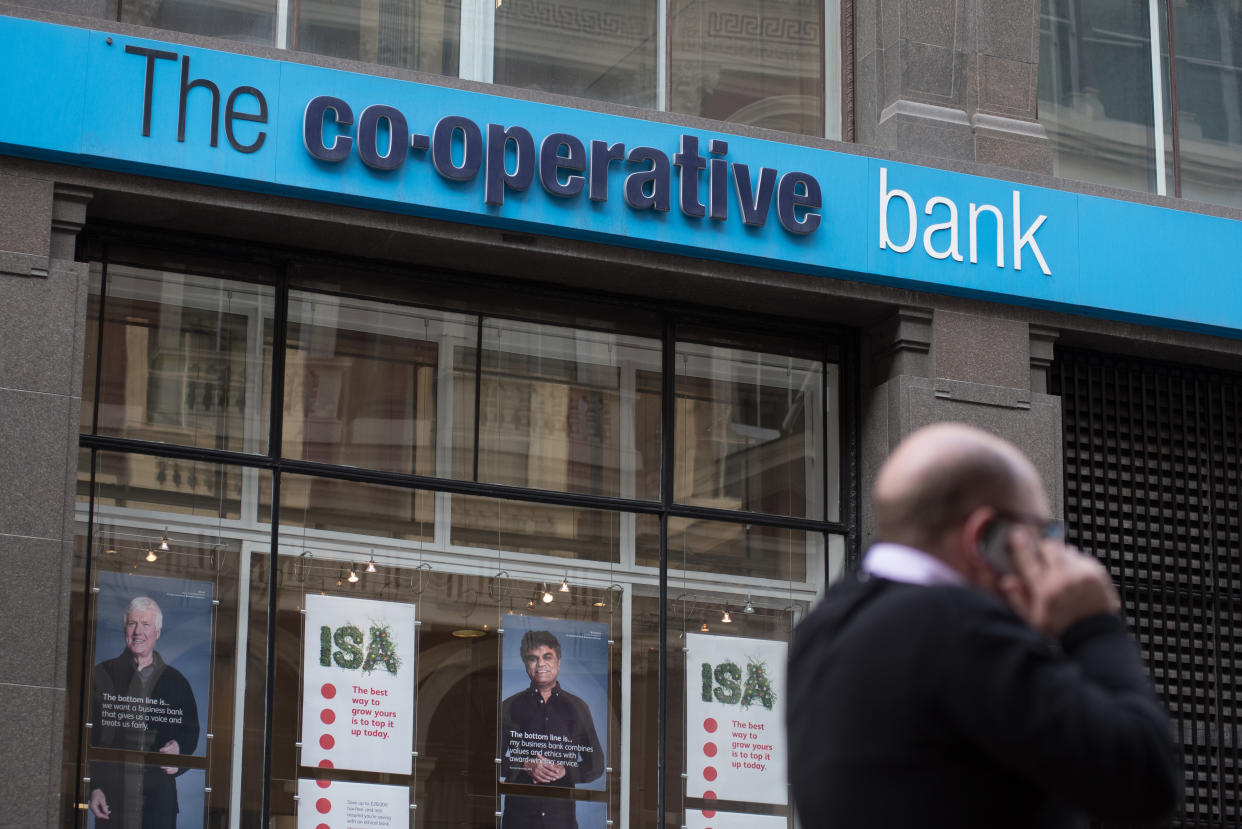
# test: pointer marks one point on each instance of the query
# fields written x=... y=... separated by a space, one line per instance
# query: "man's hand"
x=1056 y=585
x=544 y=771
x=98 y=804
x=170 y=747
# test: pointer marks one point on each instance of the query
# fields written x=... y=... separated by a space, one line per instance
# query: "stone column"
x=42 y=320
x=951 y=78
x=930 y=365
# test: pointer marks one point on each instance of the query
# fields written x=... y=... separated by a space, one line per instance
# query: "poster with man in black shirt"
x=153 y=652
x=554 y=686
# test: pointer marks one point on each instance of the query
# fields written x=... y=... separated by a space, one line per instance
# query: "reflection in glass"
x=589 y=48
x=182 y=360
x=361 y=381
x=747 y=550
x=539 y=529
x=565 y=409
x=352 y=508
x=1095 y=91
x=760 y=64
x=1209 y=99
x=171 y=485
x=249 y=21
x=749 y=431
x=413 y=34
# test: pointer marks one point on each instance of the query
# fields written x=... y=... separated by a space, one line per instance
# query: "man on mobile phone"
x=975 y=672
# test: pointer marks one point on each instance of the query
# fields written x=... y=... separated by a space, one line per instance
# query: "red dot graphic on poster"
x=326 y=742
x=709 y=795
x=709 y=749
x=328 y=690
x=323 y=826
x=709 y=725
x=709 y=773
x=709 y=814
x=323 y=784
x=327 y=716
x=326 y=764
x=323 y=805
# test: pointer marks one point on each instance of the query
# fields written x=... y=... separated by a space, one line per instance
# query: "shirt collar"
x=897 y=562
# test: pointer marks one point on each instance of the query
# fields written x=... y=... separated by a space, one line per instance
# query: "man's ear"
x=973 y=533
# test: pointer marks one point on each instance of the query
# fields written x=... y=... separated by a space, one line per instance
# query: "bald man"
x=974 y=672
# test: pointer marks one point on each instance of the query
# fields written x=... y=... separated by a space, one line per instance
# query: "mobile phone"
x=994 y=546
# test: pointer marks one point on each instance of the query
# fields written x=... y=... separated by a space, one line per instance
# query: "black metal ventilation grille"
x=1152 y=477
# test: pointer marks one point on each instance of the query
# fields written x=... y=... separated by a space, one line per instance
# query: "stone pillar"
x=42 y=321
x=951 y=78
x=926 y=366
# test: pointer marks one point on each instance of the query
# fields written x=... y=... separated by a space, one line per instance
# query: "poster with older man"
x=150 y=691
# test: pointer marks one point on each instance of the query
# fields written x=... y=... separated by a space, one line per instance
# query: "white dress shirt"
x=897 y=562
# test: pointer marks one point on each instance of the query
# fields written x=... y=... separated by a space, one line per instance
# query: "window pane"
x=250 y=21
x=747 y=550
x=151 y=563
x=412 y=34
x=169 y=485
x=590 y=48
x=184 y=359
x=464 y=659
x=760 y=64
x=1209 y=99
x=567 y=409
x=541 y=529
x=350 y=508
x=749 y=431
x=361 y=382
x=1095 y=91
x=695 y=626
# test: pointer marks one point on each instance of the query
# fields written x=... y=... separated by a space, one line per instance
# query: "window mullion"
x=662 y=55
x=1157 y=93
x=478 y=35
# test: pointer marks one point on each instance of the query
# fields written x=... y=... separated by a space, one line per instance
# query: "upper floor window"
x=1161 y=114
x=766 y=64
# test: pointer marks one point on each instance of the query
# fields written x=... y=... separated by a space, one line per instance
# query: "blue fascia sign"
x=104 y=100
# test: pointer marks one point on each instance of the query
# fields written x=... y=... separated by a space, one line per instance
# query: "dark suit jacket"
x=141 y=797
x=938 y=707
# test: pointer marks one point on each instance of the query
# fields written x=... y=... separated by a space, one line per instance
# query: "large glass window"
x=413 y=34
x=756 y=63
x=750 y=430
x=250 y=21
x=1160 y=114
x=361 y=381
x=182 y=358
x=1208 y=74
x=453 y=588
x=772 y=64
x=568 y=409
x=589 y=48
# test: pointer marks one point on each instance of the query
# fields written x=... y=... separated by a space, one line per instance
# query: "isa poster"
x=733 y=820
x=554 y=709
x=324 y=804
x=735 y=718
x=150 y=690
x=358 y=684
